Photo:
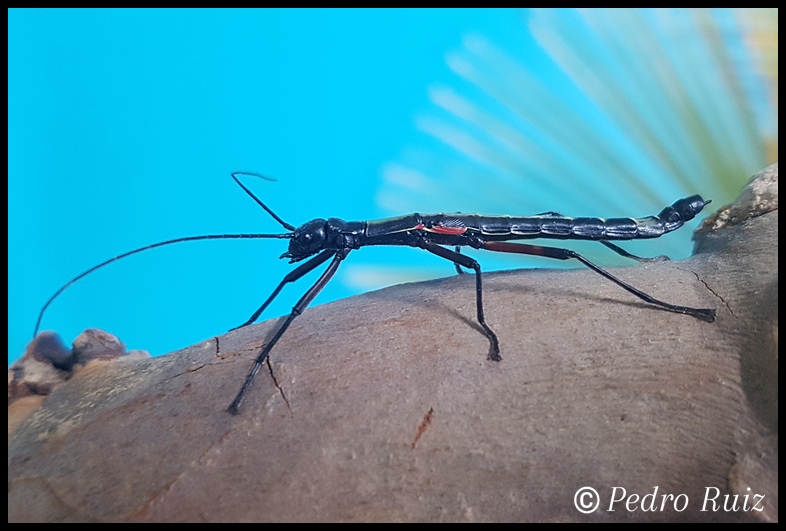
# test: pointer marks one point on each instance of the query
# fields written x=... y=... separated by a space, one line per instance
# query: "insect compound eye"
x=308 y=239
x=310 y=242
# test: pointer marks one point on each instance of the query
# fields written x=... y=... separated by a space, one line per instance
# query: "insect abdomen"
x=561 y=227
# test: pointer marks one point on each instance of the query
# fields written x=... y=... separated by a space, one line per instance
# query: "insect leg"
x=622 y=252
x=292 y=276
x=704 y=314
x=460 y=271
x=461 y=260
x=301 y=305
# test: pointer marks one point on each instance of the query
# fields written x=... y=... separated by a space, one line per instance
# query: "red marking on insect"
x=419 y=226
x=439 y=229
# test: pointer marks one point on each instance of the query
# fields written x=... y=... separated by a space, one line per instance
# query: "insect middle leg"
x=460 y=260
x=558 y=253
x=460 y=271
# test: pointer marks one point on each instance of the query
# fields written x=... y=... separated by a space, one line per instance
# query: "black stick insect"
x=321 y=240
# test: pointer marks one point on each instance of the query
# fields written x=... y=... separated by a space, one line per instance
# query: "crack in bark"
x=275 y=382
x=144 y=509
x=711 y=291
x=187 y=371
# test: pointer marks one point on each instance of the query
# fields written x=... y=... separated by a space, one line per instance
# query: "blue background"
x=124 y=126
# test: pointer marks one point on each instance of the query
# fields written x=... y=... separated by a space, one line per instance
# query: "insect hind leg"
x=622 y=252
x=705 y=314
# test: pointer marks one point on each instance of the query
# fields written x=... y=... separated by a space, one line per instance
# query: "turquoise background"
x=124 y=126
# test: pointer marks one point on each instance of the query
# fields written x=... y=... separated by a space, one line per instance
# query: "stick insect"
x=333 y=239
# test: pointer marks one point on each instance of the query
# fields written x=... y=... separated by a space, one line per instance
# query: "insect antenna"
x=145 y=248
x=255 y=198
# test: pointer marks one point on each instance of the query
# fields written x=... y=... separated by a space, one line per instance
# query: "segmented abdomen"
x=560 y=227
x=554 y=225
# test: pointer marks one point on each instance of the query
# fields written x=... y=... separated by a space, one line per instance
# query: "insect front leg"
x=292 y=276
x=301 y=305
x=461 y=260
